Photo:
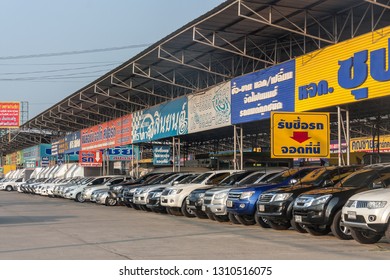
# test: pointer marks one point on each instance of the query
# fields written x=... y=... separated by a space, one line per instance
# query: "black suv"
x=319 y=210
x=275 y=206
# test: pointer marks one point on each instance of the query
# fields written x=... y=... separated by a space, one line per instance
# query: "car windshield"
x=188 y=179
x=282 y=176
x=362 y=178
x=252 y=178
x=201 y=178
x=169 y=179
x=234 y=178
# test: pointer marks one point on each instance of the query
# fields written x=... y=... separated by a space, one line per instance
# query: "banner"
x=366 y=144
x=109 y=134
x=165 y=120
x=210 y=109
x=351 y=71
x=9 y=114
x=255 y=95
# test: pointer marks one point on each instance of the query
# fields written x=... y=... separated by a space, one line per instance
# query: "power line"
x=73 y=52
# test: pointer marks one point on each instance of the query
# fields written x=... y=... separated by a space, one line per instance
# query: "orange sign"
x=90 y=158
x=9 y=114
x=109 y=134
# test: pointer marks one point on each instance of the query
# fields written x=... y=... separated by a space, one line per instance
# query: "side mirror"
x=175 y=183
x=209 y=182
x=377 y=185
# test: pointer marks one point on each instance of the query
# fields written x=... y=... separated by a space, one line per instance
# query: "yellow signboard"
x=300 y=135
x=351 y=71
x=366 y=144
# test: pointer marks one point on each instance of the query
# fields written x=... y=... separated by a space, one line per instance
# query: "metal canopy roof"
x=235 y=38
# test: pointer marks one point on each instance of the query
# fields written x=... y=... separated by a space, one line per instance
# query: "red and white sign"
x=90 y=158
x=9 y=114
x=110 y=134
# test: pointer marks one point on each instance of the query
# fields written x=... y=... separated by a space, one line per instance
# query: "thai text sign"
x=255 y=95
x=210 y=109
x=351 y=71
x=162 y=155
x=90 y=158
x=165 y=120
x=109 y=134
x=9 y=114
x=300 y=135
x=120 y=153
x=366 y=144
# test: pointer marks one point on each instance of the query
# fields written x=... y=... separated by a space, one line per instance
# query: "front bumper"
x=313 y=215
x=240 y=207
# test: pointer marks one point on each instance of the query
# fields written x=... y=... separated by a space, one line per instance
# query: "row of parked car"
x=352 y=202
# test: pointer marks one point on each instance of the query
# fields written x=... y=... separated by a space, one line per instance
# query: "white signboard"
x=210 y=109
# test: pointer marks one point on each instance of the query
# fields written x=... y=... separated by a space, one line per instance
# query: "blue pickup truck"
x=241 y=202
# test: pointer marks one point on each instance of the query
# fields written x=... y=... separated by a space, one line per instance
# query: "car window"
x=215 y=179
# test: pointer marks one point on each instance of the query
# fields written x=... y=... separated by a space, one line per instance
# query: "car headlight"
x=221 y=195
x=246 y=195
x=321 y=200
x=157 y=194
x=376 y=204
x=281 y=196
x=132 y=191
x=173 y=192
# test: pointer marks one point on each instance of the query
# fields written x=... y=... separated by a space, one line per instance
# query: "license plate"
x=164 y=200
x=229 y=203
x=298 y=219
x=261 y=208
x=203 y=208
x=351 y=215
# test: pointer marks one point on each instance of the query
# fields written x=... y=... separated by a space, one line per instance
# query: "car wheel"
x=387 y=232
x=317 y=230
x=365 y=236
x=210 y=216
x=135 y=206
x=279 y=226
x=176 y=212
x=262 y=221
x=338 y=228
x=297 y=226
x=143 y=207
x=233 y=219
x=8 y=188
x=221 y=218
x=111 y=201
x=200 y=214
x=79 y=198
x=246 y=220
x=187 y=211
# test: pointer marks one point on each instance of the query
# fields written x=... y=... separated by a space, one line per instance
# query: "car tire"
x=262 y=222
x=279 y=226
x=246 y=220
x=79 y=198
x=111 y=201
x=387 y=232
x=233 y=219
x=176 y=212
x=338 y=229
x=9 y=188
x=221 y=218
x=317 y=231
x=210 y=216
x=200 y=214
x=365 y=236
x=297 y=226
x=186 y=211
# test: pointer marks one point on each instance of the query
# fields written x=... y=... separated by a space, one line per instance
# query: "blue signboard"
x=72 y=143
x=165 y=120
x=124 y=153
x=162 y=155
x=255 y=95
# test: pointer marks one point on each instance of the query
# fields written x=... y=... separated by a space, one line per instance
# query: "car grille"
x=233 y=195
x=266 y=197
x=357 y=204
x=206 y=201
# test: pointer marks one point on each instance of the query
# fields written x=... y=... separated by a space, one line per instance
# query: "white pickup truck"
x=367 y=215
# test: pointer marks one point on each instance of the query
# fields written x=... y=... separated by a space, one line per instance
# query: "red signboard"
x=114 y=133
x=90 y=158
x=9 y=114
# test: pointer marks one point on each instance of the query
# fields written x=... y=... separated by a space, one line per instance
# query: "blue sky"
x=29 y=28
